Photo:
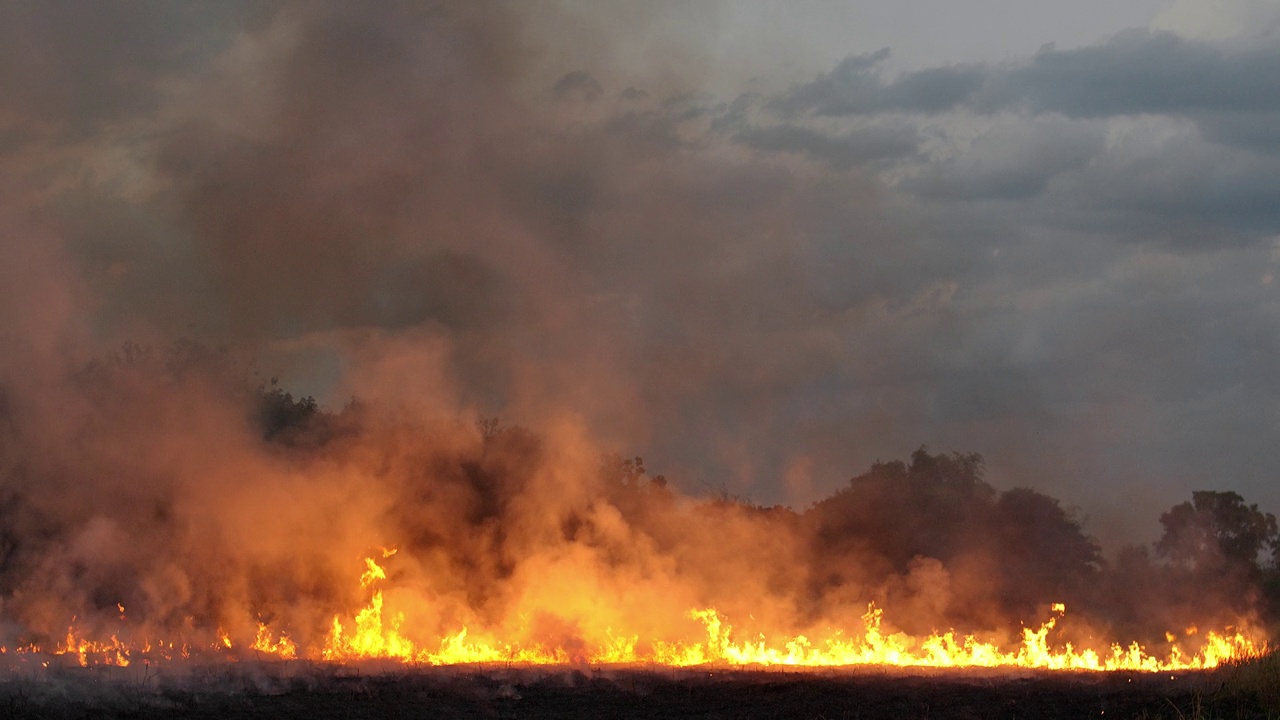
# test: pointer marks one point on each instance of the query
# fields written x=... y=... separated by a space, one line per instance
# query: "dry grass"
x=1257 y=680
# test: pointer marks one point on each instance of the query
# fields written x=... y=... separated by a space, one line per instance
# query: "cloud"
x=1223 y=20
x=578 y=83
x=1143 y=72
x=1135 y=72
x=1193 y=193
x=1013 y=160
x=1251 y=131
x=842 y=151
x=854 y=86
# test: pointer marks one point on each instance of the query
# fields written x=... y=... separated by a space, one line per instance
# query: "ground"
x=318 y=692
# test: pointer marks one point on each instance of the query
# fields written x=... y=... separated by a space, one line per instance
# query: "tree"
x=1212 y=546
x=281 y=417
x=1217 y=532
x=937 y=506
x=1044 y=554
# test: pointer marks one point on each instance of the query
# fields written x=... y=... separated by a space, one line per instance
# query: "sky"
x=761 y=244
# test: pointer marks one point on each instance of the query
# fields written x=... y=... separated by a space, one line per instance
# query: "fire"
x=109 y=652
x=378 y=632
x=373 y=634
x=266 y=642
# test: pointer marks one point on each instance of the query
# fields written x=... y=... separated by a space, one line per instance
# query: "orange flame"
x=375 y=637
x=376 y=632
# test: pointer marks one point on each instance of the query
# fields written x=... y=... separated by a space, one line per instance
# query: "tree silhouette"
x=1044 y=554
x=1215 y=532
x=1213 y=547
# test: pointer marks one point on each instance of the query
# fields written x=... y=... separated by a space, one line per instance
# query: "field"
x=318 y=692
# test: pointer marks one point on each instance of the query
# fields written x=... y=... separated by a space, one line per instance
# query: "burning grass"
x=376 y=632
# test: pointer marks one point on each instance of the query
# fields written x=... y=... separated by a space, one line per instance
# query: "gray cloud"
x=1252 y=131
x=579 y=84
x=1144 y=72
x=855 y=87
x=1011 y=161
x=844 y=150
x=1180 y=188
x=1133 y=73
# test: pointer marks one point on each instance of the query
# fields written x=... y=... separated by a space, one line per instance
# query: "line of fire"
x=371 y=534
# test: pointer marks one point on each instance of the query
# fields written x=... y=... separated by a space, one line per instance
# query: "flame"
x=378 y=632
x=372 y=635
x=109 y=652
x=266 y=642
x=372 y=573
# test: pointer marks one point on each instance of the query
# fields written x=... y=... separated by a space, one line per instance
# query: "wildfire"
x=110 y=652
x=372 y=638
x=266 y=642
x=377 y=633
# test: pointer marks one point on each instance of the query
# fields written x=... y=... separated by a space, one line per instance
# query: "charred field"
x=373 y=690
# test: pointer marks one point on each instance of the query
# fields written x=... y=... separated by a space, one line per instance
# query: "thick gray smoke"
x=401 y=204
x=441 y=198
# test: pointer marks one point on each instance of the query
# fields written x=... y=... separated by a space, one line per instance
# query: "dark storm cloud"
x=856 y=87
x=1133 y=73
x=1160 y=183
x=1011 y=161
x=1195 y=184
x=1252 y=131
x=842 y=151
x=1106 y=217
x=1144 y=72
x=1164 y=176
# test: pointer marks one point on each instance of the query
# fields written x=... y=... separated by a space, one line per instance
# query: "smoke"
x=443 y=213
x=312 y=181
x=172 y=500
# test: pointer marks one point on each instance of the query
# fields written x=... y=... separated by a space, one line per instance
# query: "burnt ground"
x=315 y=692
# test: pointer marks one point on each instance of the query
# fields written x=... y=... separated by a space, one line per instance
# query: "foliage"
x=1043 y=549
x=282 y=417
x=1027 y=545
x=927 y=508
x=1216 y=531
x=1257 y=679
